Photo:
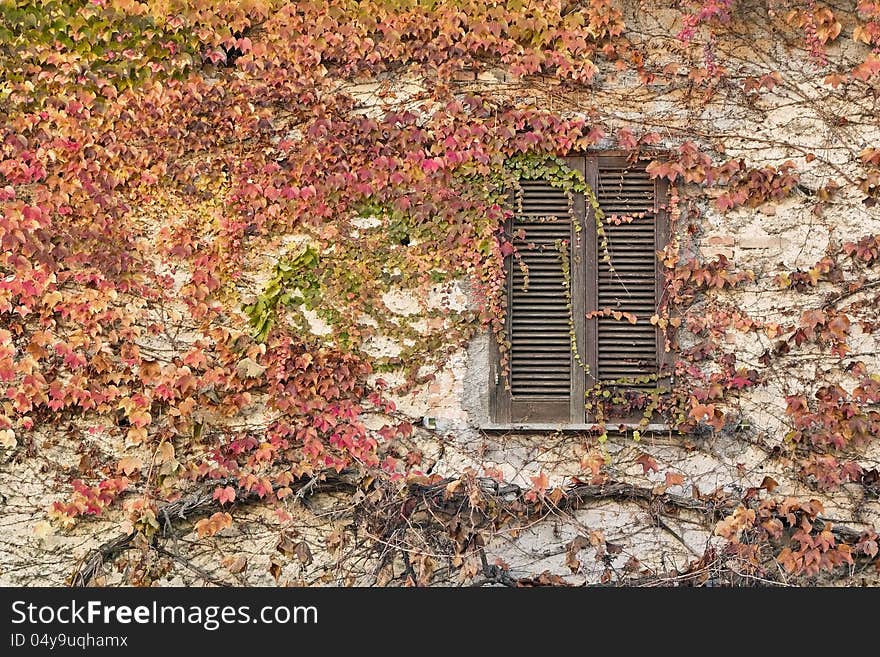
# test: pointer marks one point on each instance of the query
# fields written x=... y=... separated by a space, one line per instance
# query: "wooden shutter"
x=545 y=381
x=630 y=282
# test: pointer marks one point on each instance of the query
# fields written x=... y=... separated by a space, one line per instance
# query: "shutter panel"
x=544 y=378
x=627 y=350
x=539 y=324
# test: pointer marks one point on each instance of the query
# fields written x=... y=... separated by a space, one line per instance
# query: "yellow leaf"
x=136 y=435
x=129 y=464
x=7 y=438
x=52 y=299
x=248 y=368
x=127 y=404
x=43 y=530
x=165 y=452
x=452 y=486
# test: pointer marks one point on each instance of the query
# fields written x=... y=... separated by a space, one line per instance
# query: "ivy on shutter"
x=628 y=283
x=540 y=346
x=545 y=383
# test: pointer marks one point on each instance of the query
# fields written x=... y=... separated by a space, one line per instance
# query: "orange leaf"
x=540 y=482
x=539 y=485
x=769 y=484
x=210 y=526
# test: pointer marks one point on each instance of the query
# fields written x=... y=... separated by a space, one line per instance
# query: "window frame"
x=502 y=406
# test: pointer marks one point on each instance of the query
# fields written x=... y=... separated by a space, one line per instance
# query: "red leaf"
x=647 y=464
x=627 y=139
x=225 y=495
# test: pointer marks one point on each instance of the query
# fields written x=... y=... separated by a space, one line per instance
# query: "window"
x=545 y=381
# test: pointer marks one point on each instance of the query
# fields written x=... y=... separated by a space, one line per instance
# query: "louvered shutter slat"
x=540 y=351
x=628 y=284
